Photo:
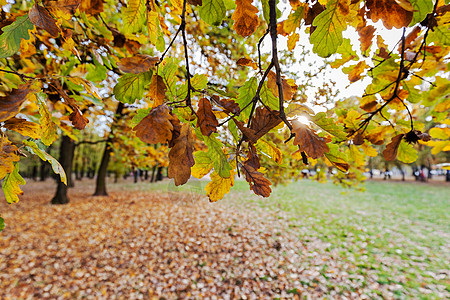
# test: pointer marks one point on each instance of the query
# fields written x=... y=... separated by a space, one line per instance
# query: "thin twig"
x=259 y=48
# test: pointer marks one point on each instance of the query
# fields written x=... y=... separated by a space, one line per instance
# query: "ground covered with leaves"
x=146 y=240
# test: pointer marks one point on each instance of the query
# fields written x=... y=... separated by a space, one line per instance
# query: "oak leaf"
x=139 y=63
x=8 y=156
x=11 y=186
x=10 y=104
x=365 y=37
x=91 y=7
x=337 y=158
x=245 y=18
x=252 y=158
x=218 y=186
x=273 y=86
x=390 y=153
x=262 y=122
x=308 y=141
x=207 y=121
x=229 y=105
x=247 y=62
x=180 y=156
x=157 y=90
x=156 y=127
x=40 y=17
x=258 y=184
x=68 y=6
x=13 y=34
x=78 y=120
x=203 y=164
x=24 y=127
x=390 y=12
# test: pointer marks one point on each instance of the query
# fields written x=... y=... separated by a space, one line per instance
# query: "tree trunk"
x=65 y=159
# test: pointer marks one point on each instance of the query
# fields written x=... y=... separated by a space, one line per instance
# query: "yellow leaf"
x=11 y=184
x=292 y=41
x=270 y=150
x=219 y=186
x=245 y=18
x=369 y=150
x=23 y=127
x=357 y=156
x=48 y=128
x=8 y=156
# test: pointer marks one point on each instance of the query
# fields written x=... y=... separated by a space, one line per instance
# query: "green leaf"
x=329 y=126
x=134 y=15
x=330 y=23
x=215 y=152
x=337 y=158
x=198 y=82
x=421 y=9
x=212 y=11
x=406 y=153
x=203 y=164
x=49 y=130
x=347 y=54
x=440 y=35
x=13 y=35
x=2 y=224
x=96 y=72
x=246 y=94
x=11 y=187
x=268 y=98
x=269 y=149
x=57 y=168
x=131 y=87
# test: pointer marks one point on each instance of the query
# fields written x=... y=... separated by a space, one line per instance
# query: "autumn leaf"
x=48 y=128
x=91 y=7
x=390 y=153
x=218 y=186
x=156 y=127
x=258 y=184
x=139 y=63
x=215 y=152
x=229 y=105
x=246 y=94
x=308 y=141
x=78 y=120
x=131 y=87
x=203 y=164
x=247 y=62
x=390 y=12
x=206 y=121
x=8 y=156
x=180 y=157
x=11 y=184
x=406 y=152
x=262 y=122
x=10 y=104
x=40 y=17
x=245 y=18
x=24 y=127
x=329 y=125
x=271 y=150
x=157 y=90
x=337 y=158
x=67 y=6
x=134 y=15
x=13 y=35
x=354 y=72
x=56 y=166
x=273 y=86
x=365 y=37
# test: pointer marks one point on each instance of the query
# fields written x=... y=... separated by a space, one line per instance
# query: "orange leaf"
x=273 y=86
x=78 y=120
x=247 y=62
x=157 y=90
x=91 y=7
x=390 y=12
x=68 y=6
x=366 y=36
x=8 y=155
x=207 y=121
x=258 y=184
x=262 y=122
x=139 y=63
x=229 y=105
x=245 y=18
x=40 y=17
x=180 y=156
x=156 y=127
x=10 y=104
x=390 y=153
x=308 y=141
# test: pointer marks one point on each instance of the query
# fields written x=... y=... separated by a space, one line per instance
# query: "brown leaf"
x=258 y=184
x=356 y=71
x=10 y=104
x=247 y=62
x=245 y=18
x=252 y=157
x=366 y=36
x=313 y=12
x=410 y=38
x=139 y=63
x=68 y=6
x=8 y=155
x=195 y=2
x=180 y=156
x=91 y=7
x=207 y=121
x=390 y=153
x=229 y=105
x=78 y=120
x=390 y=12
x=308 y=141
x=40 y=17
x=156 y=127
x=23 y=127
x=273 y=86
x=157 y=90
x=262 y=122
x=176 y=129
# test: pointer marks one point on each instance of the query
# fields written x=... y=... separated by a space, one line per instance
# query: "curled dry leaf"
x=78 y=120
x=139 y=63
x=247 y=62
x=390 y=153
x=365 y=37
x=40 y=17
x=207 y=121
x=10 y=104
x=181 y=158
x=228 y=105
x=252 y=157
x=245 y=18
x=308 y=141
x=258 y=183
x=262 y=122
x=156 y=127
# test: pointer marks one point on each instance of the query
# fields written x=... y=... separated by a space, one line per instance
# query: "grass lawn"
x=393 y=233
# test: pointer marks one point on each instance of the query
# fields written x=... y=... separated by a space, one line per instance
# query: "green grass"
x=395 y=232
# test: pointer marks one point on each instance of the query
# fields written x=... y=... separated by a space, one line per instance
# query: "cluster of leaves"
x=233 y=115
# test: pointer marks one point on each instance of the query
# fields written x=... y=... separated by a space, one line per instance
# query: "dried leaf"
x=247 y=62
x=157 y=90
x=390 y=12
x=229 y=105
x=258 y=184
x=156 y=127
x=390 y=153
x=40 y=17
x=207 y=121
x=180 y=156
x=308 y=141
x=10 y=104
x=8 y=156
x=273 y=86
x=78 y=120
x=252 y=158
x=366 y=36
x=23 y=127
x=139 y=63
x=245 y=18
